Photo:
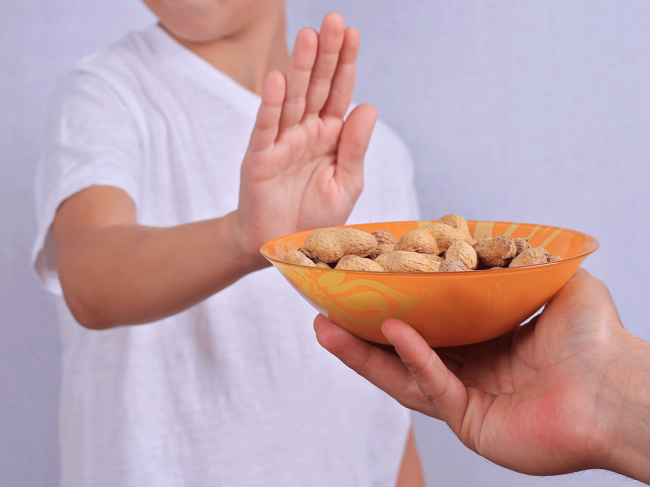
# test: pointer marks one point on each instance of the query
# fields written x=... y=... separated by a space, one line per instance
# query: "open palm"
x=304 y=165
x=532 y=400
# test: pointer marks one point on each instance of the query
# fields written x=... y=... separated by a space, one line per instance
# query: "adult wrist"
x=625 y=396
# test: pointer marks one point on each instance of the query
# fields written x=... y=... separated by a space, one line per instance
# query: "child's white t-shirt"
x=235 y=391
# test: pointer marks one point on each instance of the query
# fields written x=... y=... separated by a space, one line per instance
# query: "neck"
x=249 y=55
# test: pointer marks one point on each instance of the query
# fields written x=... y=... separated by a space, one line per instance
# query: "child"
x=153 y=200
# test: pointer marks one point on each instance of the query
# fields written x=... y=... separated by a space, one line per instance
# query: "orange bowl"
x=454 y=308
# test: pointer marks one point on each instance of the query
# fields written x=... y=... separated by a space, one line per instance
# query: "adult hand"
x=567 y=391
x=304 y=165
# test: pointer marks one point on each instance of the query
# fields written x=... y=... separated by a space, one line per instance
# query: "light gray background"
x=535 y=111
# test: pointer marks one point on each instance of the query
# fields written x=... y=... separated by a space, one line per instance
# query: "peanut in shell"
x=384 y=237
x=386 y=242
x=404 y=261
x=355 y=263
x=463 y=252
x=551 y=257
x=459 y=223
x=382 y=249
x=331 y=244
x=298 y=258
x=311 y=256
x=530 y=256
x=435 y=258
x=452 y=265
x=522 y=244
x=418 y=240
x=497 y=251
x=430 y=239
x=381 y=259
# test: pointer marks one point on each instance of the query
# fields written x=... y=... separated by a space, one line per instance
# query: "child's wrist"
x=241 y=250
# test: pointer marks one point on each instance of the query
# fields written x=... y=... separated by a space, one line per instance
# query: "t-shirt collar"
x=177 y=56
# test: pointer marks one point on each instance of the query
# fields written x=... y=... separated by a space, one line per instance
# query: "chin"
x=199 y=21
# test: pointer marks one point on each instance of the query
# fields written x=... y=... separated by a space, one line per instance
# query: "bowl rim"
x=594 y=245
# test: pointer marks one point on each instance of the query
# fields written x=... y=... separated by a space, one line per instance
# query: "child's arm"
x=410 y=471
x=303 y=169
x=115 y=272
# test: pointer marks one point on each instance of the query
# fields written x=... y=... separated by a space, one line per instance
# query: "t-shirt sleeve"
x=91 y=138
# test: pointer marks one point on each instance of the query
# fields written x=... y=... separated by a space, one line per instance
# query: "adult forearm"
x=627 y=401
x=129 y=274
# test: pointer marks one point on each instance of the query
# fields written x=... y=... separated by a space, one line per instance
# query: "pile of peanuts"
x=445 y=246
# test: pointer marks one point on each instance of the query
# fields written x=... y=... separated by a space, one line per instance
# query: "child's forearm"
x=129 y=274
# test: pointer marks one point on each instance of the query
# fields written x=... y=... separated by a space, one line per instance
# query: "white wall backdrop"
x=535 y=111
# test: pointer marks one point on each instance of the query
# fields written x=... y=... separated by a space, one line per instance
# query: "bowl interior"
x=446 y=308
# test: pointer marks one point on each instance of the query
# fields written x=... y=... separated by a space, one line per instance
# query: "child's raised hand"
x=304 y=165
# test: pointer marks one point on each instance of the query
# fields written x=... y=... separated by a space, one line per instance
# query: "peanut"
x=418 y=240
x=403 y=261
x=298 y=258
x=384 y=237
x=452 y=265
x=522 y=244
x=445 y=246
x=551 y=257
x=355 y=263
x=382 y=249
x=386 y=242
x=310 y=256
x=430 y=239
x=381 y=259
x=496 y=252
x=463 y=252
x=435 y=258
x=330 y=244
x=530 y=256
x=459 y=223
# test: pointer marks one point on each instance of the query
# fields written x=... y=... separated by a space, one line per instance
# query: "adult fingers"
x=340 y=95
x=267 y=123
x=380 y=367
x=302 y=62
x=443 y=389
x=330 y=41
x=353 y=144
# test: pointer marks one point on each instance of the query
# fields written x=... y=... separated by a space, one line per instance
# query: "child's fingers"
x=330 y=41
x=267 y=123
x=340 y=95
x=444 y=390
x=353 y=143
x=382 y=368
x=302 y=62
